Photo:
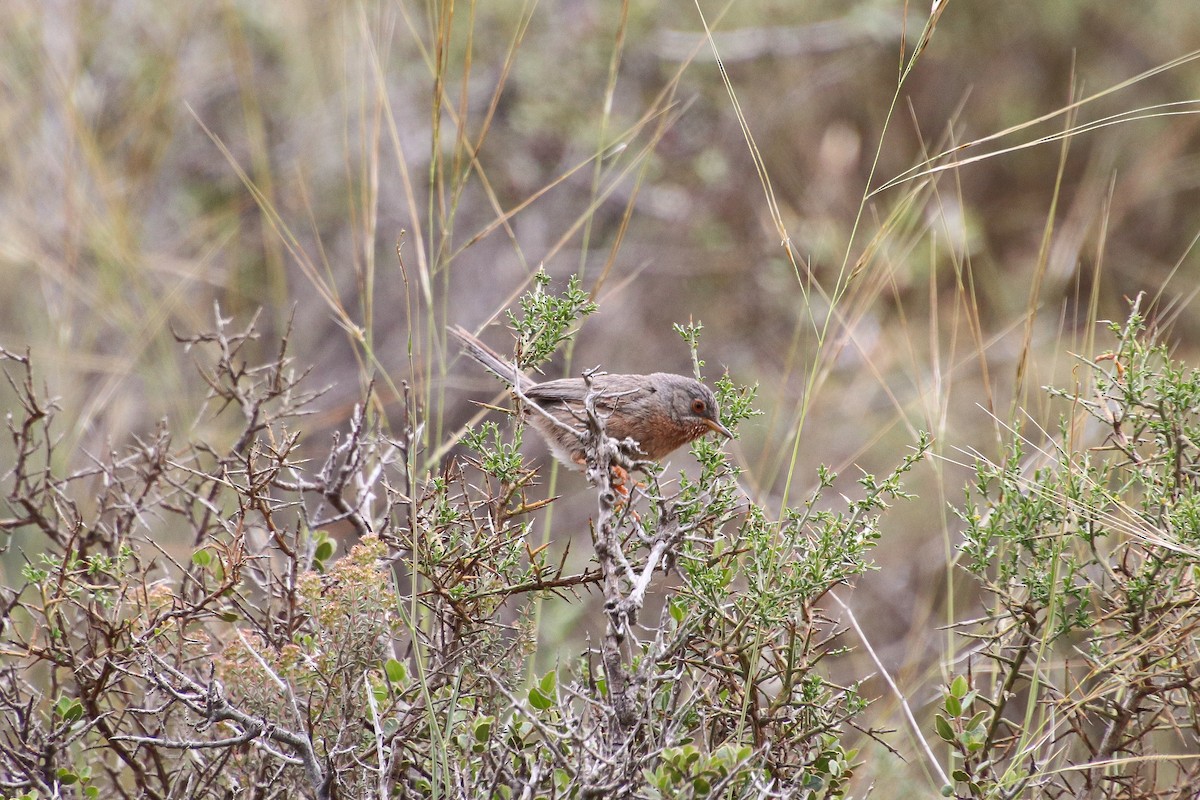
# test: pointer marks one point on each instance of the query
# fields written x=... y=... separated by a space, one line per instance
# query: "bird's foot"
x=620 y=476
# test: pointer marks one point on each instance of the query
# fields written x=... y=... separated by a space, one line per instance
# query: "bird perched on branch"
x=660 y=411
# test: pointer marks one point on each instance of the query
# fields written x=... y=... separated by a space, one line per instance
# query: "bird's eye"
x=699 y=406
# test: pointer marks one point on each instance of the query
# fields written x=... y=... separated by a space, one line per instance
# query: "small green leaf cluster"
x=499 y=457
x=688 y=771
x=95 y=578
x=829 y=774
x=543 y=694
x=1007 y=544
x=546 y=319
x=961 y=727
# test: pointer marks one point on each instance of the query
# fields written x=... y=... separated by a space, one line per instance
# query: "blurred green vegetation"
x=156 y=159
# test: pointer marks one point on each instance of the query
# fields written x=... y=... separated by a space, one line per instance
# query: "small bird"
x=660 y=411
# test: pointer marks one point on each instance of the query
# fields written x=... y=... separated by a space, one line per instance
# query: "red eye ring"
x=699 y=406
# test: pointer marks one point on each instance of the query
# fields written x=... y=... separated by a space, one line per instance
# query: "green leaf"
x=959 y=687
x=483 y=728
x=677 y=610
x=543 y=695
x=813 y=783
x=944 y=731
x=68 y=708
x=396 y=671
x=202 y=558
x=325 y=549
x=539 y=700
x=724 y=757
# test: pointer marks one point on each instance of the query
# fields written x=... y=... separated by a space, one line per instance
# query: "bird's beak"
x=716 y=427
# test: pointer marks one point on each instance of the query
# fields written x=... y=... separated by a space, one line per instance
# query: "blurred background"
x=906 y=244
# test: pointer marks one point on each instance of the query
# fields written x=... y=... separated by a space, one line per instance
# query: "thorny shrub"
x=1086 y=681
x=182 y=628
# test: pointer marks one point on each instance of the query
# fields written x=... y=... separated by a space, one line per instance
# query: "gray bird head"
x=693 y=403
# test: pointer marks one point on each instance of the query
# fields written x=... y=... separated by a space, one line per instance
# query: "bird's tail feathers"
x=492 y=361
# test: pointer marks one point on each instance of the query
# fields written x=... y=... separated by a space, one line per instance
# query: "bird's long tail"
x=491 y=360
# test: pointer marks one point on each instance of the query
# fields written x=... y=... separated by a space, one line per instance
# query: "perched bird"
x=660 y=411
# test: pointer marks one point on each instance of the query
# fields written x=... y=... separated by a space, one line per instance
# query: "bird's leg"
x=620 y=485
x=620 y=475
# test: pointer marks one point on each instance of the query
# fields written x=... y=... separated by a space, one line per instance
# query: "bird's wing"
x=614 y=390
x=562 y=391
